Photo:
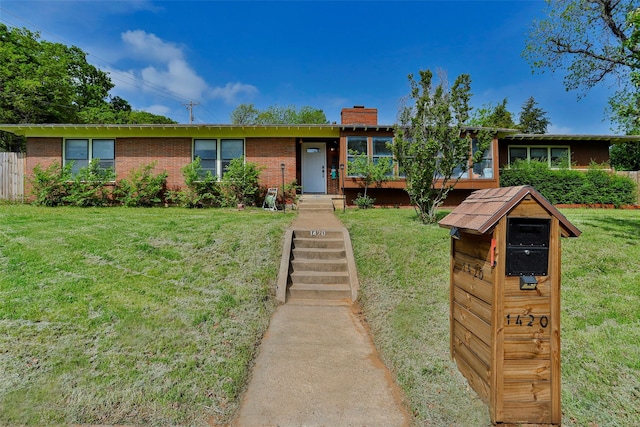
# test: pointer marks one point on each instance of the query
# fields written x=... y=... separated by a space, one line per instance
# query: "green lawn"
x=131 y=316
x=152 y=316
x=403 y=270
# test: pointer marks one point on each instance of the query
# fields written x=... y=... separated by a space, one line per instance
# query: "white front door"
x=314 y=165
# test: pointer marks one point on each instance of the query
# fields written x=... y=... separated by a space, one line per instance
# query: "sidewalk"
x=317 y=366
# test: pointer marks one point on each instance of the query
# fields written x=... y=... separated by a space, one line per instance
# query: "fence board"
x=12 y=176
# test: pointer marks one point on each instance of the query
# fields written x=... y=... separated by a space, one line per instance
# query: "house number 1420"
x=527 y=320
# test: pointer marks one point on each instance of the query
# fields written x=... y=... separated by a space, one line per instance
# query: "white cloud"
x=151 y=47
x=232 y=91
x=161 y=110
x=171 y=72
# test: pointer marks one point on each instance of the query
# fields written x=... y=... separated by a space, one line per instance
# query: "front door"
x=314 y=165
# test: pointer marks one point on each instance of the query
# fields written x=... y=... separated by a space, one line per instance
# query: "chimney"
x=358 y=115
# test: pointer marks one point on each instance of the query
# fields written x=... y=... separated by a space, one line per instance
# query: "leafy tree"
x=273 y=115
x=496 y=116
x=533 y=119
x=588 y=38
x=432 y=143
x=44 y=82
x=625 y=156
x=245 y=114
x=369 y=173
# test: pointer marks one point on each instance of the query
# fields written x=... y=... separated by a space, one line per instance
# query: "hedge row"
x=566 y=186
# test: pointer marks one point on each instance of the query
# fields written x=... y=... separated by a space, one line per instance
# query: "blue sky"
x=329 y=55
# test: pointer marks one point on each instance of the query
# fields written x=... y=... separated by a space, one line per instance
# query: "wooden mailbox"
x=505 y=301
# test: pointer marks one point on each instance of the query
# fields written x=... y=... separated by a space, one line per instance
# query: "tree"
x=244 y=114
x=432 y=143
x=369 y=172
x=496 y=116
x=588 y=38
x=273 y=115
x=626 y=156
x=533 y=119
x=44 y=82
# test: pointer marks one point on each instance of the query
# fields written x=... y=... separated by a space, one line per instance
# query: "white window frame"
x=547 y=147
x=221 y=163
x=90 y=156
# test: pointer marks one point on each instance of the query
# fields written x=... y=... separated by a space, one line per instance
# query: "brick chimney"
x=358 y=115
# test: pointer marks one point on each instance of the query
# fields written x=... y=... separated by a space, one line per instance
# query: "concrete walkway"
x=317 y=366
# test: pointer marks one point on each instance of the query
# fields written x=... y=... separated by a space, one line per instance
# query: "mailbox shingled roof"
x=482 y=210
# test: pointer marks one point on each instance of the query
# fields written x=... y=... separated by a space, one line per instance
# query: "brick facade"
x=270 y=153
x=169 y=154
x=359 y=115
x=43 y=152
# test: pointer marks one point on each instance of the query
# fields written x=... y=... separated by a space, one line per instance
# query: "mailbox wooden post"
x=505 y=301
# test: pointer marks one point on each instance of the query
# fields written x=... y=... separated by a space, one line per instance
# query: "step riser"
x=315 y=254
x=318 y=243
x=318 y=234
x=322 y=279
x=312 y=265
x=318 y=294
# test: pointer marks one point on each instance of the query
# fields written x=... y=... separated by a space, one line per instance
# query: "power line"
x=125 y=77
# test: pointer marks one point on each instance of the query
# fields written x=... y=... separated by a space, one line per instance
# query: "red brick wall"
x=170 y=155
x=359 y=115
x=43 y=152
x=270 y=153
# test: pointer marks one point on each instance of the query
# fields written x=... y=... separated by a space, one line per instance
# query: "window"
x=215 y=155
x=81 y=151
x=553 y=156
x=382 y=150
x=483 y=168
x=207 y=151
x=356 y=145
x=230 y=149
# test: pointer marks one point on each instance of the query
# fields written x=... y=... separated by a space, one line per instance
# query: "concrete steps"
x=318 y=267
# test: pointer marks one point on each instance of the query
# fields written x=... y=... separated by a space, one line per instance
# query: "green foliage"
x=141 y=188
x=51 y=185
x=248 y=114
x=364 y=202
x=203 y=189
x=240 y=183
x=44 y=82
x=368 y=171
x=431 y=141
x=495 y=116
x=625 y=156
x=566 y=186
x=92 y=186
x=533 y=119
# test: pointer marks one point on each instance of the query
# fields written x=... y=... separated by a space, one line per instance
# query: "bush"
x=142 y=188
x=566 y=186
x=51 y=186
x=92 y=186
x=364 y=202
x=203 y=189
x=240 y=183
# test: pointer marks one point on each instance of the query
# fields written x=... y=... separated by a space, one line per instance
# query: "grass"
x=131 y=316
x=403 y=270
x=152 y=316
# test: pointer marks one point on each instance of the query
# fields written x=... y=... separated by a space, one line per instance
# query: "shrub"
x=364 y=202
x=92 y=186
x=51 y=186
x=566 y=186
x=203 y=189
x=240 y=183
x=141 y=188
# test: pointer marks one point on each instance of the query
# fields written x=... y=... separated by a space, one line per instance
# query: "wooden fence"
x=12 y=176
x=634 y=176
